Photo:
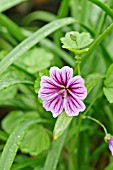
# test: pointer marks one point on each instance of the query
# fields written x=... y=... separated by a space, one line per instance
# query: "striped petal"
x=55 y=104
x=61 y=76
x=110 y=142
x=48 y=88
x=76 y=86
x=73 y=105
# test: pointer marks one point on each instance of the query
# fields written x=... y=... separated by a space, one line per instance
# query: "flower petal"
x=67 y=74
x=61 y=76
x=73 y=105
x=55 y=104
x=48 y=88
x=110 y=142
x=76 y=86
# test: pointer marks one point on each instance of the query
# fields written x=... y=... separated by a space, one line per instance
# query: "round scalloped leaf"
x=35 y=141
x=92 y=79
x=108 y=93
x=12 y=120
x=37 y=81
x=108 y=89
x=41 y=73
x=35 y=60
x=109 y=77
x=76 y=41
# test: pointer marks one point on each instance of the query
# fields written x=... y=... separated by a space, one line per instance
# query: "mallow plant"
x=56 y=87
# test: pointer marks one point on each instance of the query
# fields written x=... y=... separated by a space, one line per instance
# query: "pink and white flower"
x=110 y=143
x=62 y=91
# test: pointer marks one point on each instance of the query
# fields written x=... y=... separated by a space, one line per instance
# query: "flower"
x=109 y=139
x=62 y=91
x=110 y=143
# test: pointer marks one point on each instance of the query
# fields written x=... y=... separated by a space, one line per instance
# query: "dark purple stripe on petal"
x=67 y=74
x=56 y=78
x=61 y=76
x=48 y=82
x=78 y=89
x=48 y=88
x=55 y=105
x=73 y=105
x=55 y=74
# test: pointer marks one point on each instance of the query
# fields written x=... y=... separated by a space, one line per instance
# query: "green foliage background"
x=27 y=50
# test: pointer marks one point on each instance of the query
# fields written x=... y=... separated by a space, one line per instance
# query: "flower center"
x=63 y=91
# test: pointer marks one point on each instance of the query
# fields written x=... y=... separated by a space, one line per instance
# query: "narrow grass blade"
x=104 y=6
x=54 y=153
x=39 y=15
x=7 y=4
x=10 y=82
x=64 y=9
x=12 y=27
x=51 y=46
x=62 y=12
x=33 y=40
x=13 y=144
x=98 y=40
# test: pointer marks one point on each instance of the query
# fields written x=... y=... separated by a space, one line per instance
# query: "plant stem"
x=102 y=20
x=75 y=144
x=97 y=121
x=98 y=41
x=104 y=6
x=78 y=131
x=78 y=63
x=89 y=107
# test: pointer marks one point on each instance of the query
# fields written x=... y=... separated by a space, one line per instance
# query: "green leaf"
x=104 y=7
x=11 y=27
x=46 y=43
x=13 y=144
x=76 y=41
x=63 y=9
x=7 y=94
x=54 y=153
x=30 y=115
x=35 y=141
x=41 y=73
x=12 y=120
x=33 y=40
x=3 y=136
x=4 y=84
x=37 y=81
x=8 y=80
x=7 y=4
x=35 y=60
x=108 y=89
x=6 y=90
x=39 y=15
x=98 y=40
x=109 y=77
x=109 y=167
x=108 y=93
x=22 y=161
x=61 y=124
x=91 y=80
